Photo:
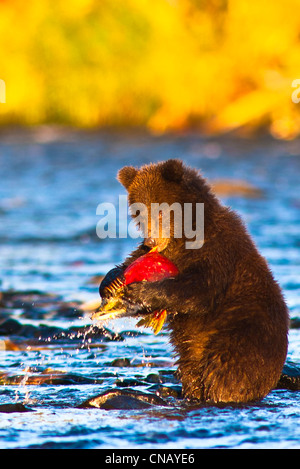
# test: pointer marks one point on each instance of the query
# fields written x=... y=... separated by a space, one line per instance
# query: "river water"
x=51 y=260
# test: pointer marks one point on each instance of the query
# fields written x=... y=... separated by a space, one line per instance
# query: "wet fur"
x=227 y=317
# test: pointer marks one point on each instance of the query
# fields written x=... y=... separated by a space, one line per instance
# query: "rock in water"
x=290 y=377
x=123 y=399
x=17 y=407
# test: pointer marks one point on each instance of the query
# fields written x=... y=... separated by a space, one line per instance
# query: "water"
x=49 y=193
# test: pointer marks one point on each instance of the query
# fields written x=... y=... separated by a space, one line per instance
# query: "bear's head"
x=157 y=194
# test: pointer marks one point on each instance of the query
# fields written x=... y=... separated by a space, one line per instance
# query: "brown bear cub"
x=226 y=314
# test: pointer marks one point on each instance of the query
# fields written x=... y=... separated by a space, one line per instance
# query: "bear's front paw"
x=141 y=293
x=134 y=293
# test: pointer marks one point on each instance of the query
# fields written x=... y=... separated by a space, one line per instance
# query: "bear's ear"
x=172 y=170
x=126 y=176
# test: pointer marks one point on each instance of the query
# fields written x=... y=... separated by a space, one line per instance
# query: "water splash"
x=23 y=387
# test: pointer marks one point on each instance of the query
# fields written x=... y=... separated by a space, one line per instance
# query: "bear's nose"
x=150 y=242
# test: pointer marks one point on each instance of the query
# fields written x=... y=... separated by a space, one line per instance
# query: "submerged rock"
x=166 y=391
x=123 y=399
x=10 y=327
x=120 y=362
x=16 y=407
x=34 y=335
x=295 y=323
x=39 y=305
x=290 y=377
x=47 y=377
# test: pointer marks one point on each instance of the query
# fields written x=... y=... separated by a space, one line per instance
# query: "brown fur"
x=228 y=320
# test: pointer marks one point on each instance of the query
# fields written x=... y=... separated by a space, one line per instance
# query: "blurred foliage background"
x=166 y=65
